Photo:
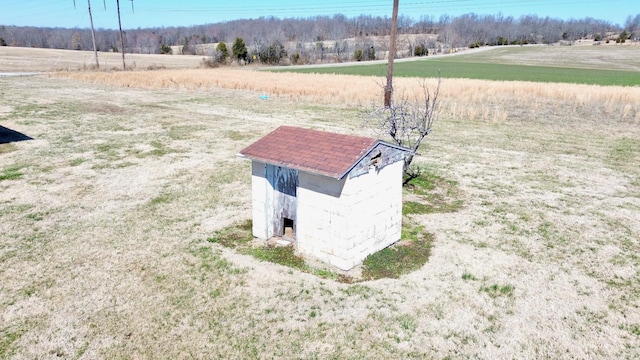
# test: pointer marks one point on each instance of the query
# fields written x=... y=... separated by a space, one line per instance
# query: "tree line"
x=329 y=38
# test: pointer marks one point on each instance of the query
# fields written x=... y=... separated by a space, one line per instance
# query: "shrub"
x=273 y=53
x=156 y=67
x=420 y=50
x=371 y=53
x=622 y=38
x=209 y=62
x=166 y=49
x=187 y=49
x=222 y=52
x=357 y=55
x=295 y=58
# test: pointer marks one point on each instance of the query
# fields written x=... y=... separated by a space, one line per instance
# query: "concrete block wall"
x=338 y=221
x=321 y=220
x=261 y=201
x=376 y=202
x=365 y=217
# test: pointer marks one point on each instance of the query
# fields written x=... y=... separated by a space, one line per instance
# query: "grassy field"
x=106 y=216
x=454 y=68
x=515 y=64
x=39 y=60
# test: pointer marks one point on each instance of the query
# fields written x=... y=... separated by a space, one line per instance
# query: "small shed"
x=337 y=197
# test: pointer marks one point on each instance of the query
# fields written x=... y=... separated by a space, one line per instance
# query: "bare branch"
x=407 y=122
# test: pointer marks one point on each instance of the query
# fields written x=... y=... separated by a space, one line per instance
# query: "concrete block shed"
x=337 y=197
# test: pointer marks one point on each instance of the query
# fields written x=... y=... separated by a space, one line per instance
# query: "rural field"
x=107 y=205
x=581 y=64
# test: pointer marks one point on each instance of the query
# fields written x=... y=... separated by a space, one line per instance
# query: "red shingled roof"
x=313 y=151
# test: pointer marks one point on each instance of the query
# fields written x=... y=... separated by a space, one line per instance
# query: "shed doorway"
x=284 y=182
x=289 y=228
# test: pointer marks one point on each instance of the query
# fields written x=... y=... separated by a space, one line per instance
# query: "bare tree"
x=408 y=122
x=458 y=31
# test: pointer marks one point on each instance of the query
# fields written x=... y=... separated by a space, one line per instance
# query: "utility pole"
x=388 y=89
x=93 y=36
x=124 y=66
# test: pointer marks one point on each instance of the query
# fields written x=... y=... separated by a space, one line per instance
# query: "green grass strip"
x=475 y=70
x=11 y=173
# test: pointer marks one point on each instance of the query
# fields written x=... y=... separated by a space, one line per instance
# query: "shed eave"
x=336 y=176
x=364 y=155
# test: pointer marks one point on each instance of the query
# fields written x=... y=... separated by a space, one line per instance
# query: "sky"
x=165 y=13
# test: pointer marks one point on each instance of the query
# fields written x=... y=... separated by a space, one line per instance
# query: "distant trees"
x=328 y=38
x=622 y=38
x=364 y=54
x=320 y=50
x=632 y=25
x=370 y=53
x=76 y=41
x=273 y=53
x=186 y=47
x=218 y=56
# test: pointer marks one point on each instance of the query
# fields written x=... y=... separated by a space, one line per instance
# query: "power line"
x=405 y=7
x=31 y=11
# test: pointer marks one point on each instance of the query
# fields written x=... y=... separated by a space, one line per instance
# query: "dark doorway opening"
x=288 y=228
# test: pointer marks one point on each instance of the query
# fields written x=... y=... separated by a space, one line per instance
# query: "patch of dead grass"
x=488 y=101
x=7 y=148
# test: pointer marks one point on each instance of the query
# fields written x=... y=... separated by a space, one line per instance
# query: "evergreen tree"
x=222 y=52
x=239 y=49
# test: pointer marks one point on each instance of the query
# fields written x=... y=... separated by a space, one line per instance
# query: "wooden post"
x=388 y=89
x=124 y=66
x=93 y=35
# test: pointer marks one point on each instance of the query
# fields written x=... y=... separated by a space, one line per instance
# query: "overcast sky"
x=164 y=13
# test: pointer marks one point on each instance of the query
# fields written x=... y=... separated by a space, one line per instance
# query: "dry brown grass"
x=471 y=99
x=38 y=60
x=103 y=250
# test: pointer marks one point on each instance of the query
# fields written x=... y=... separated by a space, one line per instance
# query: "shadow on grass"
x=8 y=136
